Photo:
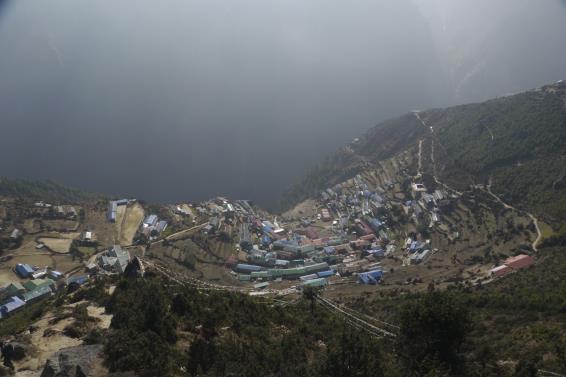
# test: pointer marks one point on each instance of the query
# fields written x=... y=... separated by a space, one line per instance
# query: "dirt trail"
x=438 y=182
x=488 y=190
x=420 y=165
x=508 y=206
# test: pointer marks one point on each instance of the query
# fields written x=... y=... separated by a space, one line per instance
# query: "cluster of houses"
x=272 y=253
x=426 y=204
x=57 y=211
x=151 y=226
x=41 y=284
x=221 y=208
x=416 y=250
x=358 y=216
x=355 y=198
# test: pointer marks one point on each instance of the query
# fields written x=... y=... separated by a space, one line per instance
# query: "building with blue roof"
x=113 y=208
x=329 y=250
x=242 y=267
x=55 y=275
x=378 y=252
x=315 y=283
x=370 y=277
x=79 y=280
x=12 y=305
x=24 y=270
x=112 y=211
x=414 y=246
x=375 y=224
x=326 y=274
x=265 y=240
x=75 y=282
x=150 y=220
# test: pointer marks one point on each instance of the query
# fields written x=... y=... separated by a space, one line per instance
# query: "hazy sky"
x=183 y=100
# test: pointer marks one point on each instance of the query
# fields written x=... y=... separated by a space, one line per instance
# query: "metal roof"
x=36 y=293
x=12 y=304
x=150 y=220
x=24 y=270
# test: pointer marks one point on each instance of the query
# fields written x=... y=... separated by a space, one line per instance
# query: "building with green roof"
x=39 y=283
x=37 y=294
x=12 y=289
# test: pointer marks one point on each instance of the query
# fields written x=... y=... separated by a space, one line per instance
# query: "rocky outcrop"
x=73 y=361
x=20 y=350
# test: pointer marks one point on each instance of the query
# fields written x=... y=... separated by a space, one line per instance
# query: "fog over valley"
x=184 y=100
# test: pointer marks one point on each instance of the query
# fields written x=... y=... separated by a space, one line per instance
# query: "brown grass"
x=133 y=218
x=57 y=245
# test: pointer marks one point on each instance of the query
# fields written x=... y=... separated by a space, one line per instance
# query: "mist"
x=184 y=100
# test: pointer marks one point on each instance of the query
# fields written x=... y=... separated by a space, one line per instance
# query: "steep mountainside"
x=379 y=143
x=518 y=143
x=42 y=190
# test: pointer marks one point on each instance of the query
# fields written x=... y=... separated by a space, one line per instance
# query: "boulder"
x=20 y=350
x=72 y=362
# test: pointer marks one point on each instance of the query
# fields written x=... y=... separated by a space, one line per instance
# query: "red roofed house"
x=512 y=264
x=520 y=261
x=500 y=271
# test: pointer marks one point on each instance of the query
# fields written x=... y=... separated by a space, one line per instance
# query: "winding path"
x=508 y=206
x=488 y=190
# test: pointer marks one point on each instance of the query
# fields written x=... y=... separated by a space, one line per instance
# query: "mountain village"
x=354 y=234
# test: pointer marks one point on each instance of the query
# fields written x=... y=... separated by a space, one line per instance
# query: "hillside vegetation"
x=518 y=141
x=48 y=191
x=519 y=318
x=504 y=329
x=511 y=327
